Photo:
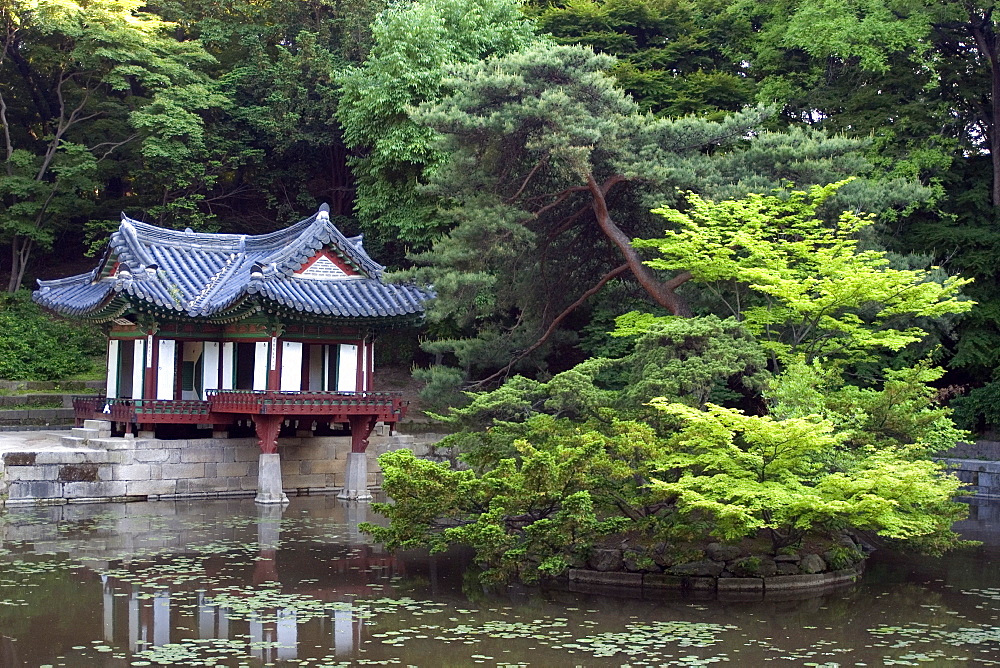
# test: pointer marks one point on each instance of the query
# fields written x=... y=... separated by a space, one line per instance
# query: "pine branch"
x=553 y=326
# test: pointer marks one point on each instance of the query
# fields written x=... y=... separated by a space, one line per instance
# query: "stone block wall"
x=981 y=477
x=982 y=449
x=425 y=446
x=101 y=469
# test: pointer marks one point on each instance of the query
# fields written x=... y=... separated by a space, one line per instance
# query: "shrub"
x=37 y=346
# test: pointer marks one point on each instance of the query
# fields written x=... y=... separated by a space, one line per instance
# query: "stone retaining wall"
x=982 y=449
x=36 y=416
x=31 y=400
x=425 y=446
x=981 y=476
x=642 y=584
x=103 y=469
x=52 y=385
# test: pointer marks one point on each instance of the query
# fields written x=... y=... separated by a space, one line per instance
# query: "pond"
x=225 y=583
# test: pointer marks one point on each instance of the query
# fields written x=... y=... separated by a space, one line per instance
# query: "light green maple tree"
x=805 y=287
x=748 y=473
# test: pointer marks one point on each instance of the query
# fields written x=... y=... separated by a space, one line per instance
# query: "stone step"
x=88 y=434
x=97 y=442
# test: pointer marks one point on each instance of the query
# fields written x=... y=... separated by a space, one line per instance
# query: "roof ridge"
x=220 y=241
x=229 y=266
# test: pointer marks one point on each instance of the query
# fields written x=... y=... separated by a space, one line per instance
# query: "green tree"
x=748 y=473
x=920 y=74
x=37 y=346
x=671 y=57
x=901 y=409
x=276 y=147
x=86 y=79
x=804 y=288
x=529 y=515
x=414 y=48
x=552 y=171
x=544 y=491
x=690 y=360
x=921 y=79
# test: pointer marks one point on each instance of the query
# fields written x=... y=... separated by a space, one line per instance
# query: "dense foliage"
x=35 y=346
x=240 y=116
x=635 y=450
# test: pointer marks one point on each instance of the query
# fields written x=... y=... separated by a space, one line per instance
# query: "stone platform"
x=89 y=465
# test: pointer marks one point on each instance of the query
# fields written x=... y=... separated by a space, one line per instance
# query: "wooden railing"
x=118 y=409
x=387 y=406
x=297 y=402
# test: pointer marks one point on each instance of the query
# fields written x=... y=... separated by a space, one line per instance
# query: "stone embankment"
x=652 y=583
x=90 y=465
x=724 y=569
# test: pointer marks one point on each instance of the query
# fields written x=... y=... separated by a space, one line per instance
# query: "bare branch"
x=554 y=325
x=560 y=198
x=112 y=145
x=8 y=142
x=544 y=159
x=662 y=293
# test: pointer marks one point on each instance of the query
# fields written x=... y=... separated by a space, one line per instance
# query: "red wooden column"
x=267 y=427
x=359 y=372
x=274 y=364
x=151 y=359
x=361 y=429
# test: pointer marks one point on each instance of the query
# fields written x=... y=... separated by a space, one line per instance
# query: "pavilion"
x=220 y=329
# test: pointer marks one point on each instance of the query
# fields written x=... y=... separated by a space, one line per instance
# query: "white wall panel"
x=228 y=365
x=165 y=370
x=260 y=360
x=112 y=386
x=347 y=370
x=291 y=365
x=138 y=375
x=210 y=366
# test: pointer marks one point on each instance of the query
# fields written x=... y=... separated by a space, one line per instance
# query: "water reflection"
x=228 y=583
x=154 y=605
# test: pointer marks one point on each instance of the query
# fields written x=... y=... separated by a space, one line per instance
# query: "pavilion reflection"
x=156 y=613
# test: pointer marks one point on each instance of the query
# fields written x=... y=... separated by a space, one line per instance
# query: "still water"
x=225 y=583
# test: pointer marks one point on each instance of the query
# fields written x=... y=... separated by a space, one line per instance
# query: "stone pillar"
x=269 y=480
x=356 y=478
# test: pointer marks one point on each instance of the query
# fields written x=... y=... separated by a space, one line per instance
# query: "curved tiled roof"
x=201 y=275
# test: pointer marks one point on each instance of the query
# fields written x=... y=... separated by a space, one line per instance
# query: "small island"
x=715 y=453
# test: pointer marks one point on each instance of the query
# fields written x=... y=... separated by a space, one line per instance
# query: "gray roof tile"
x=202 y=275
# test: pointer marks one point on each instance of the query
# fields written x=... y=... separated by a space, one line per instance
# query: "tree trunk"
x=994 y=133
x=20 y=248
x=985 y=35
x=663 y=293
